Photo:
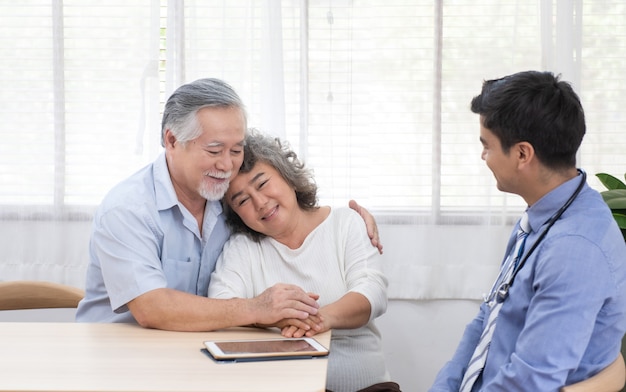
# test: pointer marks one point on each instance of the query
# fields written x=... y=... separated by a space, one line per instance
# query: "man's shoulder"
x=591 y=217
x=136 y=190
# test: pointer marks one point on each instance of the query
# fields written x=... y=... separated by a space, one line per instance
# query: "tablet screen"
x=265 y=346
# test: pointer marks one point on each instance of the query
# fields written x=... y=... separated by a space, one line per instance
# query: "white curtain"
x=373 y=94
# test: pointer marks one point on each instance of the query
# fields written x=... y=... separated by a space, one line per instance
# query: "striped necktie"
x=479 y=357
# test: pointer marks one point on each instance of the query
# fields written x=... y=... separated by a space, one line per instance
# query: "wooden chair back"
x=26 y=294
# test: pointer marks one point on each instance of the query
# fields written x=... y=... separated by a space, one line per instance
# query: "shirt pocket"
x=182 y=274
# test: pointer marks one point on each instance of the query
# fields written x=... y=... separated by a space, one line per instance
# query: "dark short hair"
x=536 y=107
x=270 y=150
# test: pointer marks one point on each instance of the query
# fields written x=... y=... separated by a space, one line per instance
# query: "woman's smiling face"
x=264 y=201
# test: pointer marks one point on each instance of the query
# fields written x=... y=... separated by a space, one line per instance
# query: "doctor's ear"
x=525 y=151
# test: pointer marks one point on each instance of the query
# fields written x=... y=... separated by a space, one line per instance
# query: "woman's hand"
x=296 y=328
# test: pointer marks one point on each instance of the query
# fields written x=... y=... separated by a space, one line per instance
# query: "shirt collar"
x=540 y=212
x=163 y=187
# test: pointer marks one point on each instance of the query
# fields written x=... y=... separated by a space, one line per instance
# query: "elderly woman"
x=280 y=234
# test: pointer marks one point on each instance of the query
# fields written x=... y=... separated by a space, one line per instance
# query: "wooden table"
x=126 y=357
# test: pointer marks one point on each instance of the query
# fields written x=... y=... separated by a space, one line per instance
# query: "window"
x=373 y=94
x=77 y=99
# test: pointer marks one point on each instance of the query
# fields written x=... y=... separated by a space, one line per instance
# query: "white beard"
x=216 y=192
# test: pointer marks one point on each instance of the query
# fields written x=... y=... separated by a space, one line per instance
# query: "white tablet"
x=265 y=349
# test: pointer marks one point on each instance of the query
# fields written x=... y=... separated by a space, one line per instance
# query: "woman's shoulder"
x=240 y=241
x=344 y=214
x=345 y=219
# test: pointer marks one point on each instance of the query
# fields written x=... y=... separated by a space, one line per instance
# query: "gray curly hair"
x=260 y=147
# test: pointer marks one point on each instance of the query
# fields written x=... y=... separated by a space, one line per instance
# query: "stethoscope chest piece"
x=503 y=292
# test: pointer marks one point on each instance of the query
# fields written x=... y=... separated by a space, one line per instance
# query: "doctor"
x=557 y=313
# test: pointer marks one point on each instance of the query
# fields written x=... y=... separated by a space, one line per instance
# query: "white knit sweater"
x=335 y=258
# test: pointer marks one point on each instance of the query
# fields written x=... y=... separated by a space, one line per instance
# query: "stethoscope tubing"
x=502 y=292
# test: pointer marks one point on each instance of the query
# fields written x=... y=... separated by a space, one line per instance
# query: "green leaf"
x=611 y=182
x=615 y=199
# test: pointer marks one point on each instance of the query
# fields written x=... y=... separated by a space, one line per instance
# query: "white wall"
x=38 y=315
x=419 y=337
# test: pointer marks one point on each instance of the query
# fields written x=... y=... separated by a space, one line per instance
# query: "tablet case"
x=260 y=358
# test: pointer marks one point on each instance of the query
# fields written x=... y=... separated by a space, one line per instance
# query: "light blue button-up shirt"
x=144 y=239
x=565 y=315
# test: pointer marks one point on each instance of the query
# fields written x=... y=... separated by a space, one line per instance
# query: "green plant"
x=615 y=198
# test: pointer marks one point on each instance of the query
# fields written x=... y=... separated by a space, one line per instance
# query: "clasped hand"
x=291 y=309
x=296 y=328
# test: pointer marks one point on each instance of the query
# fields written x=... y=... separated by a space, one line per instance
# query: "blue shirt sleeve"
x=128 y=245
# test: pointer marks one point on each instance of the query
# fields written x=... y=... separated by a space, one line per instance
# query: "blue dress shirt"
x=565 y=315
x=144 y=239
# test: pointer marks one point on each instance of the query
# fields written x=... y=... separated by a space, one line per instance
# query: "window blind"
x=373 y=131
x=603 y=90
x=78 y=101
x=27 y=163
x=373 y=94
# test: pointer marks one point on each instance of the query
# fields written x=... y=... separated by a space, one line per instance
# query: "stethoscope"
x=500 y=290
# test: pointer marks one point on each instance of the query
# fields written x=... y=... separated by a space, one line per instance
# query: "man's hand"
x=370 y=224
x=283 y=301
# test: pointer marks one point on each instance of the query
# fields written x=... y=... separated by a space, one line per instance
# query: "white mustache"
x=221 y=175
